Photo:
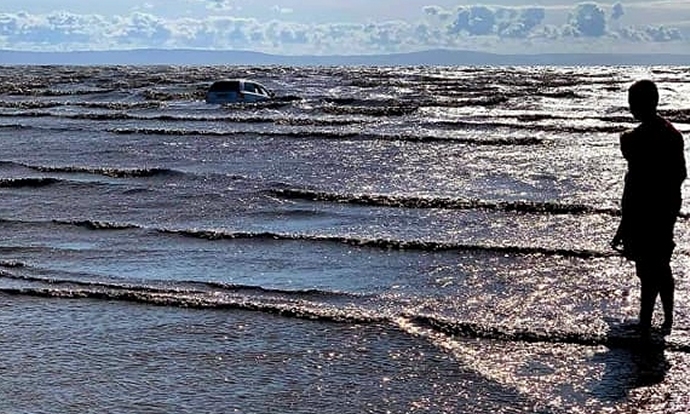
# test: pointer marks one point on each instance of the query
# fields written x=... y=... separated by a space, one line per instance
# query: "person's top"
x=656 y=169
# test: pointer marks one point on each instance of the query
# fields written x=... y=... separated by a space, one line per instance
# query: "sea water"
x=375 y=239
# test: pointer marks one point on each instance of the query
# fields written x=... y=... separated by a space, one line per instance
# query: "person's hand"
x=617 y=241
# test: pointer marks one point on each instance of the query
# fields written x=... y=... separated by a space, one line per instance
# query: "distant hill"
x=430 y=57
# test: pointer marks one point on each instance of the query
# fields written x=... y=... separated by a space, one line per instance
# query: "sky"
x=347 y=27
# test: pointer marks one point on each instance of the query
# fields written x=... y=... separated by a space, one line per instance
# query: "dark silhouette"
x=651 y=201
x=629 y=363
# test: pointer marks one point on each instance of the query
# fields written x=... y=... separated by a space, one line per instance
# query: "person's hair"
x=644 y=95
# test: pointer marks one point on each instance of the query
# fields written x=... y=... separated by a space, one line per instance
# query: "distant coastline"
x=430 y=57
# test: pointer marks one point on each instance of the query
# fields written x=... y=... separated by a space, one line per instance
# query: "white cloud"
x=495 y=28
x=282 y=10
x=220 y=4
x=588 y=19
x=617 y=11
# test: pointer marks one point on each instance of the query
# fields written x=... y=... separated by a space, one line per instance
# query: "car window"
x=225 y=86
x=249 y=87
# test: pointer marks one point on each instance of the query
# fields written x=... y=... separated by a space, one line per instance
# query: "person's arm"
x=617 y=241
x=682 y=172
x=626 y=144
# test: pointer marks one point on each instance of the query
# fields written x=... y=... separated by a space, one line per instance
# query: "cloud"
x=657 y=34
x=438 y=13
x=588 y=19
x=477 y=27
x=282 y=10
x=476 y=20
x=55 y=28
x=521 y=22
x=287 y=34
x=142 y=28
x=617 y=11
x=222 y=33
x=219 y=4
x=502 y=21
x=433 y=10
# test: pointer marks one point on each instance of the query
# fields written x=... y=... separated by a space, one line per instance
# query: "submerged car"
x=236 y=91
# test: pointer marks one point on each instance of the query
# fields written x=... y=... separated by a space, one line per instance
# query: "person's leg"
x=666 y=293
x=649 y=290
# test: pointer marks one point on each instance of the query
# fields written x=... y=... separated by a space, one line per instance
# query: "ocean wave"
x=293 y=304
x=12 y=264
x=300 y=293
x=15 y=126
x=362 y=242
x=40 y=182
x=92 y=284
x=492 y=125
x=676 y=115
x=286 y=307
x=117 y=116
x=383 y=200
x=335 y=135
x=24 y=90
x=493 y=99
x=83 y=104
x=161 y=95
x=617 y=337
x=167 y=286
x=97 y=225
x=69 y=92
x=392 y=244
x=372 y=111
x=54 y=128
x=34 y=182
x=106 y=171
x=379 y=106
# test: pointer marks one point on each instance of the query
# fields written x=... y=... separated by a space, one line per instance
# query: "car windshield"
x=225 y=86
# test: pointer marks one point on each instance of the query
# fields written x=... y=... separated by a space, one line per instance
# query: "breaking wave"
x=362 y=242
x=388 y=200
x=28 y=182
x=109 y=172
x=392 y=244
x=284 y=305
x=114 y=116
x=82 y=104
x=335 y=135
x=573 y=129
x=617 y=337
x=97 y=225
x=305 y=304
x=381 y=200
x=159 y=286
x=376 y=243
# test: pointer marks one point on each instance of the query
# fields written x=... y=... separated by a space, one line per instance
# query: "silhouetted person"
x=651 y=201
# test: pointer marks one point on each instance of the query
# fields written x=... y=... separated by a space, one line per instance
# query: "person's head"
x=643 y=98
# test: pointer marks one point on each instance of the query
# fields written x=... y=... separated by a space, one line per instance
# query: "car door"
x=250 y=92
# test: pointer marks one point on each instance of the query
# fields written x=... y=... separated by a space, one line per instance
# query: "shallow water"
x=375 y=240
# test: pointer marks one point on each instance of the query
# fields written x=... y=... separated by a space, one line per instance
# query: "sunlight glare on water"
x=428 y=239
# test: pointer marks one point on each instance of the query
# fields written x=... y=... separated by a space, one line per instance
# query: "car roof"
x=235 y=85
x=237 y=80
